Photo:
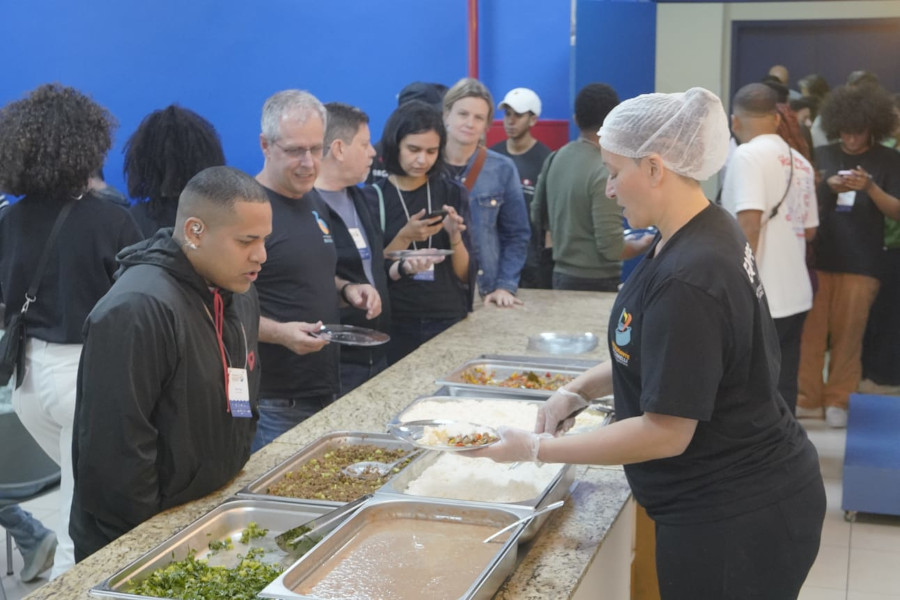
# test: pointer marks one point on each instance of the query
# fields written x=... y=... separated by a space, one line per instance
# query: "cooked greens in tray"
x=193 y=578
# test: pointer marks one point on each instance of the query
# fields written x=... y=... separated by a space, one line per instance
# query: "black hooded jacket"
x=151 y=426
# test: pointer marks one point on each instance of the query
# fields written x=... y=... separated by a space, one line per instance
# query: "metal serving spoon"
x=536 y=513
x=372 y=468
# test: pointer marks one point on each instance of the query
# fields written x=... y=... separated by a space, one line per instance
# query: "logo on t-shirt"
x=622 y=338
x=323 y=227
x=752 y=272
x=623 y=329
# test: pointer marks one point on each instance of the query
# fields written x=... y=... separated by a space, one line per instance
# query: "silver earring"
x=191 y=245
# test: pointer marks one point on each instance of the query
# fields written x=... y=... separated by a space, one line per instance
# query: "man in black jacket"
x=167 y=385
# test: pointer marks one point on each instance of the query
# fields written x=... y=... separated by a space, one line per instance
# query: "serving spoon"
x=366 y=469
x=536 y=513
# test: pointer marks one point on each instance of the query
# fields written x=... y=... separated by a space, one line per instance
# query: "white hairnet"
x=688 y=130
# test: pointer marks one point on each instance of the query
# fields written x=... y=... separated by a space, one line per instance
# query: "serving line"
x=551 y=565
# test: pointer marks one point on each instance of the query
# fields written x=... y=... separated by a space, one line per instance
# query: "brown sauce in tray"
x=398 y=559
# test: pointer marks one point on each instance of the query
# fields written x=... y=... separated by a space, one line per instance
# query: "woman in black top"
x=710 y=448
x=168 y=148
x=50 y=143
x=428 y=293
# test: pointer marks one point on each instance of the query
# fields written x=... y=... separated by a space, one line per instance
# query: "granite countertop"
x=550 y=566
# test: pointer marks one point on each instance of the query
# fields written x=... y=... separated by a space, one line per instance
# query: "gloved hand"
x=553 y=415
x=515 y=445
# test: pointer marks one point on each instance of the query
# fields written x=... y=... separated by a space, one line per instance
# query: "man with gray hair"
x=299 y=290
x=771 y=190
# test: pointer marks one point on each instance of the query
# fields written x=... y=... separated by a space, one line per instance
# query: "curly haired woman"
x=861 y=187
x=50 y=143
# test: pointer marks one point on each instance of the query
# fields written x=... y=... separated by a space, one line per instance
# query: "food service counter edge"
x=566 y=552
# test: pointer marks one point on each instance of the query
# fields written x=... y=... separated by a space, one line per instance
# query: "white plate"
x=414 y=431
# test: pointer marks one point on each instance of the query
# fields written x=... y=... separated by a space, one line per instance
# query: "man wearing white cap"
x=522 y=107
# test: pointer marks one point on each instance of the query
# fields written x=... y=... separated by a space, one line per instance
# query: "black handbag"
x=12 y=346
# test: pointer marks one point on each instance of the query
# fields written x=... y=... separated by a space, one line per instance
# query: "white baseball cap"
x=522 y=100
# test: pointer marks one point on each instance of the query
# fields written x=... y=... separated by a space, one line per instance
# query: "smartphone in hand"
x=437 y=214
x=845 y=173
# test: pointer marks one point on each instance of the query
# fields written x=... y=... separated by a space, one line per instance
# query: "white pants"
x=45 y=403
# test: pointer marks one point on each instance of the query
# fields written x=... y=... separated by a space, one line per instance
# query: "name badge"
x=845 y=201
x=239 y=393
x=360 y=240
x=427 y=275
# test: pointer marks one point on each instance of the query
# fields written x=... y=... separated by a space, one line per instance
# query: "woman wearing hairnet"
x=709 y=447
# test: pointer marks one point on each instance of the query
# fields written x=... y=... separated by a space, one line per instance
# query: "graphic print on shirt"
x=623 y=338
x=752 y=272
x=323 y=226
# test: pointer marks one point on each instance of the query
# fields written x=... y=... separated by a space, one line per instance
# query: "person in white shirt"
x=771 y=190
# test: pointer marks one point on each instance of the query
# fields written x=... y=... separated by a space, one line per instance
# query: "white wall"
x=693 y=40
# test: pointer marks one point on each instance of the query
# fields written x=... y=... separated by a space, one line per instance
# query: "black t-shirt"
x=528 y=164
x=850 y=238
x=80 y=269
x=446 y=297
x=150 y=220
x=690 y=335
x=296 y=283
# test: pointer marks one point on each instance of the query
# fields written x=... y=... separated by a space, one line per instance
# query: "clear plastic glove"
x=555 y=415
x=515 y=445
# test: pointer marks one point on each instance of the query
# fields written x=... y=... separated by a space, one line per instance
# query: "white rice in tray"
x=455 y=477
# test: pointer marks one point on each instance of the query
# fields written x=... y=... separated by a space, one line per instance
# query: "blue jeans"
x=354 y=375
x=408 y=334
x=278 y=415
x=23 y=527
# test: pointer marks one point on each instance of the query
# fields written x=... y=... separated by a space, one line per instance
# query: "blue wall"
x=223 y=58
x=615 y=44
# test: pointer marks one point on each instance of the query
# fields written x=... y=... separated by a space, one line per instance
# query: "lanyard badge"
x=239 y=393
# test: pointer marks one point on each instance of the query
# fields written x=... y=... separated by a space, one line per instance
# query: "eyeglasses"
x=300 y=151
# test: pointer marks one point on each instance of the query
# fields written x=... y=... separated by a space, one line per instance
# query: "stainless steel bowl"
x=563 y=343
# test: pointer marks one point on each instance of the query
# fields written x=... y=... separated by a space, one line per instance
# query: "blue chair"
x=872 y=456
x=26 y=472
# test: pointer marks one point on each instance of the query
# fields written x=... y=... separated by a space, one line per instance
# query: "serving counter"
x=574 y=553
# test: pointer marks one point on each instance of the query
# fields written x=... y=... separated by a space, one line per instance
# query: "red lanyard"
x=218 y=323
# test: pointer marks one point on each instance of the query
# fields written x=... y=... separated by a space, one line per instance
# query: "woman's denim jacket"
x=499 y=228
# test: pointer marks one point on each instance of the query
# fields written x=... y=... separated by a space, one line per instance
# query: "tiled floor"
x=857 y=561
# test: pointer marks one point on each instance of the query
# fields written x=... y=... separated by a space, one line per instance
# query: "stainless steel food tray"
x=504 y=366
x=315 y=449
x=482 y=587
x=557 y=489
x=226 y=520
